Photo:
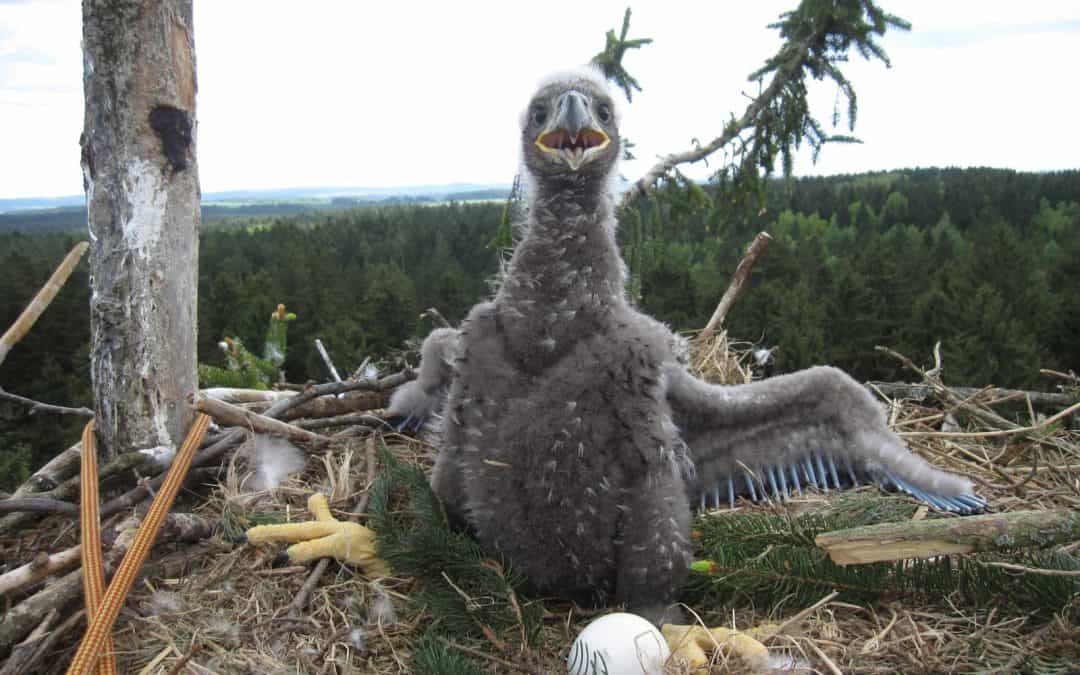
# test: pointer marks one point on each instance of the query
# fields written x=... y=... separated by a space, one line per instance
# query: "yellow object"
x=692 y=644
x=100 y=624
x=325 y=537
x=90 y=537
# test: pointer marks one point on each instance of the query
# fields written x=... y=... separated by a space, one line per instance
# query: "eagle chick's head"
x=571 y=127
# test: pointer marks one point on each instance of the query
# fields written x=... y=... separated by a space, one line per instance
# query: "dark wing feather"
x=814 y=428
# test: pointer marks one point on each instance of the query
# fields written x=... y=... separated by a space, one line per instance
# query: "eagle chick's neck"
x=566 y=274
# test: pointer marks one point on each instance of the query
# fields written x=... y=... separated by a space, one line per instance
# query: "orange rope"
x=102 y=622
x=90 y=538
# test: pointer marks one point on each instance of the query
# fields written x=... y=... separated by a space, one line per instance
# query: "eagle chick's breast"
x=551 y=458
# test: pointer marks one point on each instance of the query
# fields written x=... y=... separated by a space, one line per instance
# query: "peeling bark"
x=142 y=193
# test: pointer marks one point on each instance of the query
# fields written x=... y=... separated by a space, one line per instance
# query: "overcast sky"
x=320 y=93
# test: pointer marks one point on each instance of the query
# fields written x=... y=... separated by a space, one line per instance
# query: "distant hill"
x=62 y=214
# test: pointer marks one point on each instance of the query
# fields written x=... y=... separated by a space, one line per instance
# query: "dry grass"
x=228 y=609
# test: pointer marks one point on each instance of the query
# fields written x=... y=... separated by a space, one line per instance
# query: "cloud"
x=381 y=94
x=960 y=36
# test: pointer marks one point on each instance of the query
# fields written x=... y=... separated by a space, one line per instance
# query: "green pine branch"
x=471 y=597
x=244 y=370
x=769 y=557
x=610 y=59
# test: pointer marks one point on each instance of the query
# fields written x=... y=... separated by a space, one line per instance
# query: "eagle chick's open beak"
x=572 y=135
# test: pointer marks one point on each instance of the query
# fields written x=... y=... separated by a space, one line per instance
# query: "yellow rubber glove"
x=692 y=644
x=324 y=537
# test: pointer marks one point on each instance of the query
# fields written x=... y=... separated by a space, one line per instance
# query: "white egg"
x=618 y=644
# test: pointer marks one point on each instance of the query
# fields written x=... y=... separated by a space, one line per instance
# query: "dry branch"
x=946 y=394
x=25 y=649
x=230 y=415
x=731 y=132
x=1018 y=431
x=38 y=406
x=738 y=283
x=59 y=468
x=329 y=406
x=930 y=538
x=27 y=661
x=238 y=396
x=23 y=617
x=926 y=392
x=366 y=384
x=371 y=420
x=70 y=487
x=326 y=359
x=37 y=505
x=43 y=565
x=33 y=311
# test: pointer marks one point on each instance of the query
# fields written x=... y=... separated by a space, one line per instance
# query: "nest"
x=220 y=606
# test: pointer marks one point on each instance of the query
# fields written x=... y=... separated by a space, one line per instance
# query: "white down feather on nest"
x=270 y=461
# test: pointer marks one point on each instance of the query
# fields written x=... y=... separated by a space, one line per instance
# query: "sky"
x=378 y=94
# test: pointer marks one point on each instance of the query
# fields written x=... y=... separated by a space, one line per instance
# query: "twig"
x=738 y=283
x=70 y=486
x=41 y=301
x=367 y=419
x=326 y=359
x=947 y=394
x=366 y=384
x=338 y=404
x=370 y=466
x=303 y=596
x=922 y=392
x=146 y=489
x=238 y=396
x=37 y=505
x=25 y=649
x=833 y=668
x=60 y=467
x=731 y=132
x=471 y=606
x=38 y=406
x=19 y=620
x=43 y=565
x=930 y=538
x=179 y=665
x=512 y=597
x=227 y=414
x=1031 y=570
x=806 y=612
x=43 y=648
x=489 y=657
x=1070 y=376
x=993 y=434
x=1016 y=486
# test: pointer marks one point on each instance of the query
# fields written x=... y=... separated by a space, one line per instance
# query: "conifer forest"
x=987 y=261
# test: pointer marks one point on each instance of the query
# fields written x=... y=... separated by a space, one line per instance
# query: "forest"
x=985 y=260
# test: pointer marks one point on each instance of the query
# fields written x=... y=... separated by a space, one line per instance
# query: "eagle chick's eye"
x=603 y=113
x=539 y=114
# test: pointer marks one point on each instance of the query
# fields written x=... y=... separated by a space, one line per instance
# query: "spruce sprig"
x=766 y=558
x=471 y=596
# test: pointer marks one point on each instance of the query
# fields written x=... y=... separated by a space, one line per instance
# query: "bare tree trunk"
x=142 y=193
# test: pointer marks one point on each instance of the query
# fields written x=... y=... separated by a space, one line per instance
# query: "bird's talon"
x=324 y=537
